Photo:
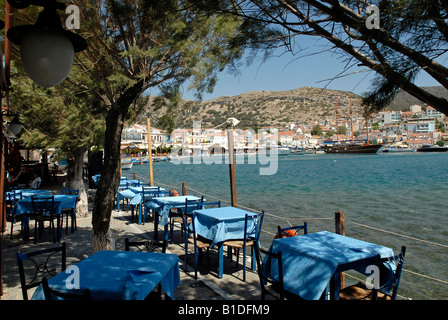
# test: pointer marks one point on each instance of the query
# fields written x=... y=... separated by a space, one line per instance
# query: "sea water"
x=392 y=199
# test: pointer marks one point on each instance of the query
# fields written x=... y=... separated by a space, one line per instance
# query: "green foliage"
x=317 y=130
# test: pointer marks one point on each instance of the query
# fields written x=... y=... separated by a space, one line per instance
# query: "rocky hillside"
x=276 y=108
x=266 y=108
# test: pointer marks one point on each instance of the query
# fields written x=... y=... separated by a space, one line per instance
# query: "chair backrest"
x=264 y=269
x=252 y=230
x=13 y=195
x=149 y=245
x=209 y=205
x=162 y=193
x=391 y=286
x=131 y=184
x=259 y=224
x=148 y=193
x=42 y=205
x=291 y=231
x=11 y=198
x=34 y=265
x=191 y=205
x=141 y=184
x=51 y=294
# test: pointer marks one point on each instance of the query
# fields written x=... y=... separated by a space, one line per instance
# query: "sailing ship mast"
x=337 y=129
x=367 y=128
x=351 y=117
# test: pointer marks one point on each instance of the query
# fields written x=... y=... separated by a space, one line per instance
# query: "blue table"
x=118 y=275
x=162 y=207
x=26 y=193
x=222 y=224
x=61 y=201
x=135 y=195
x=96 y=179
x=312 y=261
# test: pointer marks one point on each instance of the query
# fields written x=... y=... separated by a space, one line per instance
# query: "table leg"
x=221 y=259
x=166 y=232
x=335 y=284
x=140 y=213
x=156 y=225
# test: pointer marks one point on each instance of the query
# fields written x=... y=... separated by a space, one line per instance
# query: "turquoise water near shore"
x=390 y=199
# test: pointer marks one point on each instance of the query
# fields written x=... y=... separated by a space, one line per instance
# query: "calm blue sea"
x=392 y=199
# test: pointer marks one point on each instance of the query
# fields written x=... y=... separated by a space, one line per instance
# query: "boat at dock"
x=126 y=164
x=432 y=148
x=352 y=148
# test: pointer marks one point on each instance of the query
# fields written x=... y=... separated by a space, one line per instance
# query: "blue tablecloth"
x=61 y=201
x=96 y=179
x=309 y=261
x=221 y=224
x=163 y=205
x=135 y=195
x=28 y=192
x=119 y=275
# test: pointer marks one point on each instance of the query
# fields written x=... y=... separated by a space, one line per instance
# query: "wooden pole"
x=340 y=229
x=151 y=177
x=184 y=188
x=340 y=222
x=232 y=167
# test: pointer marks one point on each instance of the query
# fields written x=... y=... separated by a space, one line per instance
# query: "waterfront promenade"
x=79 y=246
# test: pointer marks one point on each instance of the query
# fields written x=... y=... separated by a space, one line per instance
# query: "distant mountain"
x=277 y=108
x=404 y=100
x=266 y=108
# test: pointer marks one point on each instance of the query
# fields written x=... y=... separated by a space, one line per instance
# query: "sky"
x=286 y=71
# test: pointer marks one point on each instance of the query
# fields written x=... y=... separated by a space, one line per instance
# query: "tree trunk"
x=75 y=180
x=110 y=174
x=108 y=183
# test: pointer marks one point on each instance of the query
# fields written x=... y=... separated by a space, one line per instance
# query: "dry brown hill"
x=266 y=108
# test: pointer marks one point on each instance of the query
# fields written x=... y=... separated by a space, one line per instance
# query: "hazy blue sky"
x=286 y=72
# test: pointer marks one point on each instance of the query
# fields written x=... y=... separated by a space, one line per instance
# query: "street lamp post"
x=231 y=122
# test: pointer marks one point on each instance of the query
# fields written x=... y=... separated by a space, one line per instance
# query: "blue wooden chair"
x=176 y=215
x=147 y=245
x=291 y=231
x=70 y=212
x=271 y=284
x=249 y=240
x=33 y=266
x=210 y=205
x=198 y=243
x=43 y=210
x=11 y=199
x=388 y=290
x=147 y=194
